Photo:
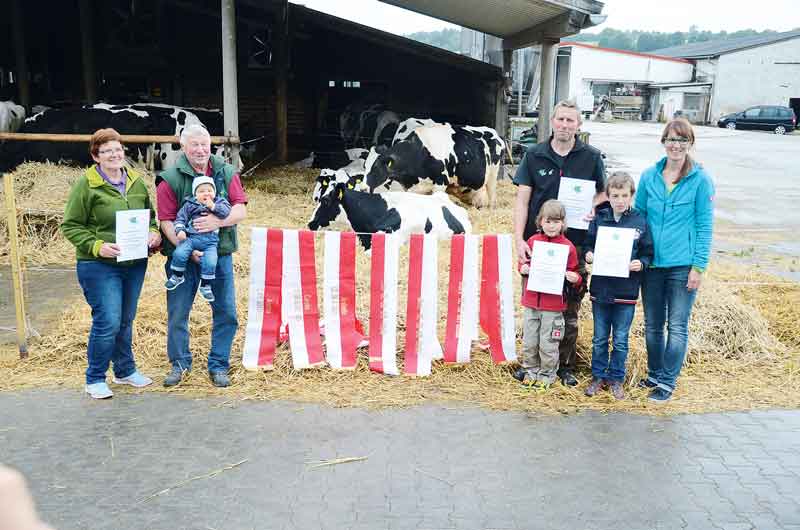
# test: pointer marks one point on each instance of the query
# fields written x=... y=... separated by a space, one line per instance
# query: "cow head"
x=330 y=208
x=379 y=167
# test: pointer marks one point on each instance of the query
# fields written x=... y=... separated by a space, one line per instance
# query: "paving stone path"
x=145 y=461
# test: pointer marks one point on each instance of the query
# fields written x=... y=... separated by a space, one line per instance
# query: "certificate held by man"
x=132 y=231
x=612 y=251
x=548 y=267
x=576 y=195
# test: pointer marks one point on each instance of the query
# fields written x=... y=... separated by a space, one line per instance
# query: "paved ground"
x=97 y=465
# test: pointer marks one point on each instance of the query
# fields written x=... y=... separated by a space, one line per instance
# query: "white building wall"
x=751 y=77
x=588 y=64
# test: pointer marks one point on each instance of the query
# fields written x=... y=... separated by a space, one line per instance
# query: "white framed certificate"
x=132 y=229
x=548 y=267
x=576 y=195
x=612 y=251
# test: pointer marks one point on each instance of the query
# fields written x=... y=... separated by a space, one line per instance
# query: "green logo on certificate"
x=551 y=252
x=134 y=220
x=578 y=189
x=615 y=237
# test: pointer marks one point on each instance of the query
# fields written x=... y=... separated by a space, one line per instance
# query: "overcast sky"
x=654 y=15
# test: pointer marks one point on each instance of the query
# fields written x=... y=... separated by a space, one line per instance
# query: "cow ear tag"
x=341 y=194
x=389 y=163
x=350 y=186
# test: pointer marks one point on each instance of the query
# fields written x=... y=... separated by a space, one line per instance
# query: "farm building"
x=289 y=70
x=747 y=71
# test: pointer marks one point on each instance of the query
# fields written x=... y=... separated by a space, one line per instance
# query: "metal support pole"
x=230 y=84
x=87 y=52
x=281 y=69
x=520 y=68
x=548 y=86
x=22 y=76
x=501 y=101
x=16 y=265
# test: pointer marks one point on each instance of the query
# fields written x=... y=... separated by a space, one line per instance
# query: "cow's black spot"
x=181 y=118
x=428 y=225
x=452 y=223
x=163 y=156
x=176 y=147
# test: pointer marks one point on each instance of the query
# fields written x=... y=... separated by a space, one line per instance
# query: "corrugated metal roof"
x=502 y=18
x=698 y=50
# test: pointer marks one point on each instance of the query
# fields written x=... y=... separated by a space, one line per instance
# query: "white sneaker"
x=99 y=391
x=135 y=379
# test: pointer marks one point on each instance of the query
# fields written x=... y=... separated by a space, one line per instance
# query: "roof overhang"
x=519 y=23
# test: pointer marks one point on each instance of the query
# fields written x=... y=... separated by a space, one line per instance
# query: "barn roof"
x=519 y=23
x=701 y=50
x=382 y=38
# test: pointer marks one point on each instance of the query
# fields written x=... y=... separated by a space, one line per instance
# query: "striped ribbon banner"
x=383 y=304
x=342 y=331
x=264 y=312
x=497 y=297
x=462 y=305
x=422 y=344
x=300 y=299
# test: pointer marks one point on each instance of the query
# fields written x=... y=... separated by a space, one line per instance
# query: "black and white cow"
x=406 y=127
x=363 y=125
x=400 y=212
x=136 y=119
x=335 y=159
x=462 y=159
x=12 y=116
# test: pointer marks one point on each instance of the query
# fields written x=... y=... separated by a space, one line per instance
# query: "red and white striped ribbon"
x=342 y=335
x=264 y=311
x=383 y=304
x=422 y=344
x=497 y=296
x=300 y=299
x=462 y=306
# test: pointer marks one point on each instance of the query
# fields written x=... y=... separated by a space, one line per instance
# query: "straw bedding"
x=744 y=333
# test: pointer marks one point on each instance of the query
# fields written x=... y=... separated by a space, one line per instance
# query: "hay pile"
x=743 y=349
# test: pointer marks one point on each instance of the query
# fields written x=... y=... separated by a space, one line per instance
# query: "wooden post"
x=280 y=58
x=230 y=84
x=87 y=52
x=501 y=101
x=16 y=265
x=548 y=87
x=22 y=76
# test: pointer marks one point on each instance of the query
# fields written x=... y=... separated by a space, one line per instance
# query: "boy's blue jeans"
x=668 y=302
x=205 y=243
x=223 y=311
x=614 y=320
x=112 y=291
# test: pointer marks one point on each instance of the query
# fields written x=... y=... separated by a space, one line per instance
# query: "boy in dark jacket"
x=203 y=203
x=614 y=298
x=543 y=319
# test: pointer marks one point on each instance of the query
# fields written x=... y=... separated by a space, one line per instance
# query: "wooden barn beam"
x=87 y=52
x=555 y=28
x=230 y=85
x=280 y=61
x=547 y=88
x=22 y=76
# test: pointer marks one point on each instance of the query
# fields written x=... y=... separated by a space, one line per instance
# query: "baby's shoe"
x=207 y=293
x=173 y=281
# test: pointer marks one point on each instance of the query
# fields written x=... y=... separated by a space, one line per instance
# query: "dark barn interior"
x=169 y=51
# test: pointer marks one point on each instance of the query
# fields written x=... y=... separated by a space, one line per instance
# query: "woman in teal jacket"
x=677 y=197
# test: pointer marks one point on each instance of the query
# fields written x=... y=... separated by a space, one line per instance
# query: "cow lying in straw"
x=401 y=212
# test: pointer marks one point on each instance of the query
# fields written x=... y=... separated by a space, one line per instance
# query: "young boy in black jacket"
x=614 y=298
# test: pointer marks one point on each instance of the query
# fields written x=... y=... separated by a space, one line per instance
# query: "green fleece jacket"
x=90 y=214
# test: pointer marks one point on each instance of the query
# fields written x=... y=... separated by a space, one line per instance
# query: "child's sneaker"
x=617 y=391
x=207 y=293
x=173 y=281
x=594 y=387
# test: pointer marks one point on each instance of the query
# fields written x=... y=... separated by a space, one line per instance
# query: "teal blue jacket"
x=681 y=222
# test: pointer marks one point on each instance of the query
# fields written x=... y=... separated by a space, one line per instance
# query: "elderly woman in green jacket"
x=111 y=287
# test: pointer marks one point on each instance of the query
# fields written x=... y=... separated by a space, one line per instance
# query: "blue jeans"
x=223 y=310
x=666 y=301
x=205 y=243
x=112 y=291
x=614 y=320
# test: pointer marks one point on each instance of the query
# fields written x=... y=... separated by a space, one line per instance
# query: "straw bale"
x=743 y=350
